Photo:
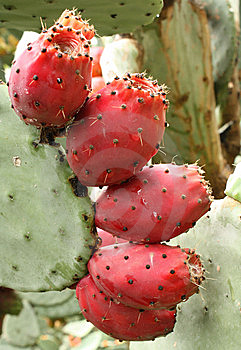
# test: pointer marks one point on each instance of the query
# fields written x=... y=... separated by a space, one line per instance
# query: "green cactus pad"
x=4 y=345
x=46 y=231
x=50 y=343
x=211 y=319
x=233 y=188
x=22 y=330
x=68 y=308
x=224 y=43
x=108 y=16
x=47 y=298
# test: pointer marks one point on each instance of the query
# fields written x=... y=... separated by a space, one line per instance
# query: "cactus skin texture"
x=51 y=79
x=157 y=204
x=117 y=131
x=120 y=321
x=46 y=230
x=109 y=16
x=214 y=315
x=154 y=276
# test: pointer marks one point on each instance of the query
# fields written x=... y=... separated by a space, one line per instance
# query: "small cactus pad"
x=109 y=16
x=233 y=187
x=68 y=308
x=22 y=330
x=47 y=298
x=46 y=230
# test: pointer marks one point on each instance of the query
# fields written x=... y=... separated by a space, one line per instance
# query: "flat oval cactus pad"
x=108 y=16
x=46 y=231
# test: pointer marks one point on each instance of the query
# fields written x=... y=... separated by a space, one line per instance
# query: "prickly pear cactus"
x=211 y=319
x=46 y=230
x=108 y=16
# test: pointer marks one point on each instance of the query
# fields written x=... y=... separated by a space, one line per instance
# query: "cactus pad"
x=108 y=16
x=233 y=188
x=46 y=298
x=22 y=330
x=221 y=25
x=46 y=230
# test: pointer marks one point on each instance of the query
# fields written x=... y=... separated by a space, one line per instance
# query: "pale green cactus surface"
x=108 y=16
x=47 y=232
x=233 y=187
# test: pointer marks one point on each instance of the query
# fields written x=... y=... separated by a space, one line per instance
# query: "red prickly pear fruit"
x=97 y=84
x=96 y=52
x=146 y=276
x=117 y=131
x=155 y=205
x=51 y=79
x=120 y=321
x=108 y=239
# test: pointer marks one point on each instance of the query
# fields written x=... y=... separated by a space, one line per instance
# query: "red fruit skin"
x=117 y=131
x=108 y=239
x=96 y=52
x=51 y=79
x=157 y=204
x=120 y=321
x=97 y=84
x=154 y=276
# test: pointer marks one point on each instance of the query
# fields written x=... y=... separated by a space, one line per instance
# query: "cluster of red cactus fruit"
x=135 y=280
